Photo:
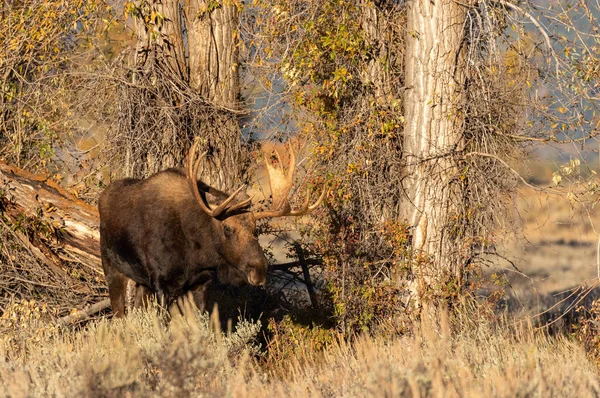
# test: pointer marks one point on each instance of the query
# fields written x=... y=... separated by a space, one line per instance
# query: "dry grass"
x=144 y=356
x=464 y=355
x=554 y=253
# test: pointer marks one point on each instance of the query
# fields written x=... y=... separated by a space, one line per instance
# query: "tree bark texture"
x=164 y=37
x=213 y=56
x=434 y=80
x=378 y=34
x=160 y=54
x=377 y=73
x=213 y=50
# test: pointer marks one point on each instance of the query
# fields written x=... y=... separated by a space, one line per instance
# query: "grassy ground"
x=142 y=356
x=469 y=353
x=553 y=256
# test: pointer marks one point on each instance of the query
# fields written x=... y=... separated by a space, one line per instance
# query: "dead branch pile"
x=49 y=244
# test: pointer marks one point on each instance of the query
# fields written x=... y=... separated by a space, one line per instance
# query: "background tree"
x=184 y=83
x=433 y=107
x=42 y=44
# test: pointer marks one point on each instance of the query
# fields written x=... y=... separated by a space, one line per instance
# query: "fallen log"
x=76 y=223
x=71 y=233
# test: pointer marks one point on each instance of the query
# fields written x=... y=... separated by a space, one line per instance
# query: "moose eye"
x=228 y=231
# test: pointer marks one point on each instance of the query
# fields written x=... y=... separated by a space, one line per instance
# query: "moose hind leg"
x=117 y=289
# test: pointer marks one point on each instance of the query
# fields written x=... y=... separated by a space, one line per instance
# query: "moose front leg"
x=142 y=296
x=200 y=296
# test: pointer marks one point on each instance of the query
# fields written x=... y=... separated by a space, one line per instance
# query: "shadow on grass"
x=258 y=304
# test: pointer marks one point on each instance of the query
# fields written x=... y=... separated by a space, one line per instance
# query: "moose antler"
x=222 y=211
x=281 y=183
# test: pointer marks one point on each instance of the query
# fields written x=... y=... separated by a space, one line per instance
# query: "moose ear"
x=213 y=196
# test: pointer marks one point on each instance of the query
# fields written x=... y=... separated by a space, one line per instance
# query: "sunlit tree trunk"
x=434 y=73
x=169 y=43
x=213 y=50
x=213 y=37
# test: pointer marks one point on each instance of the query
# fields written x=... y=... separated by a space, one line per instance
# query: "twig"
x=533 y=20
x=537 y=24
x=515 y=172
x=85 y=313
x=580 y=298
x=307 y=280
x=34 y=251
x=292 y=264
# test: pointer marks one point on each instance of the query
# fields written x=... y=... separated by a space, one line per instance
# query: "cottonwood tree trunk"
x=160 y=41
x=434 y=79
x=186 y=84
x=213 y=40
x=213 y=50
x=162 y=37
x=378 y=33
x=375 y=36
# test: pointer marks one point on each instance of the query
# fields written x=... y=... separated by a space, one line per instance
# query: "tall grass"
x=143 y=356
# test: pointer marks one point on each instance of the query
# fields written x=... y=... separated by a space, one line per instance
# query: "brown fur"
x=154 y=232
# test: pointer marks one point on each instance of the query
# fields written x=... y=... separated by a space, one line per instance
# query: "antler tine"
x=305 y=207
x=192 y=171
x=223 y=206
x=292 y=168
x=292 y=165
x=222 y=209
x=278 y=156
x=240 y=205
x=281 y=184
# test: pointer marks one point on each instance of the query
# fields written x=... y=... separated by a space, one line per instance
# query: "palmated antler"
x=281 y=183
x=222 y=211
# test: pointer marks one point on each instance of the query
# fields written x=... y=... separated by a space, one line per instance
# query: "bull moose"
x=170 y=233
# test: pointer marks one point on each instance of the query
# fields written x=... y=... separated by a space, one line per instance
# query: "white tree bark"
x=434 y=73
